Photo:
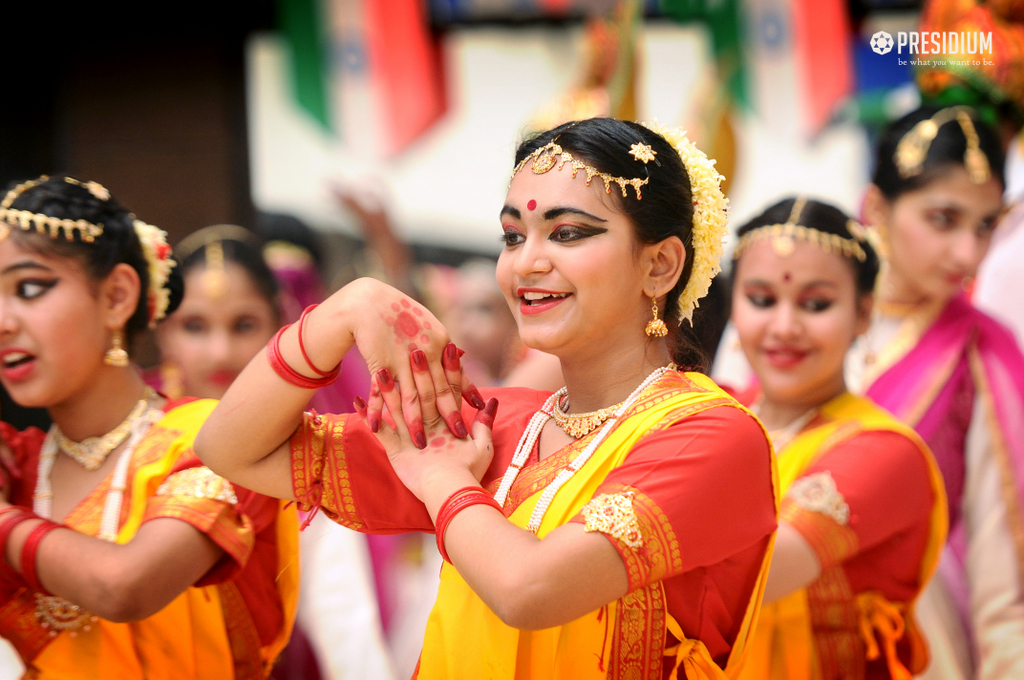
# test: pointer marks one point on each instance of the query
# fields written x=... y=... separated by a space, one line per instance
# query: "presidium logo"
x=945 y=43
x=881 y=42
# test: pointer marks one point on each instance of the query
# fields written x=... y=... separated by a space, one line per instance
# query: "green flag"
x=301 y=22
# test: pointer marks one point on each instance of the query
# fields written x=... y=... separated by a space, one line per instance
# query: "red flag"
x=823 y=52
x=405 y=65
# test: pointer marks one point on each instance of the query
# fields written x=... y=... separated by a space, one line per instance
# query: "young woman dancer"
x=617 y=528
x=953 y=374
x=123 y=556
x=863 y=514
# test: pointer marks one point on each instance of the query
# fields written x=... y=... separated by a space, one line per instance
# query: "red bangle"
x=9 y=519
x=457 y=502
x=28 y=555
x=289 y=374
x=333 y=373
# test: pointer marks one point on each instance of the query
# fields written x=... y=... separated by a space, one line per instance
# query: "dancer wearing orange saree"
x=124 y=556
x=863 y=515
x=619 y=528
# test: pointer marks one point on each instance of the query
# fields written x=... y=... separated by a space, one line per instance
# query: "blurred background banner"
x=417 y=105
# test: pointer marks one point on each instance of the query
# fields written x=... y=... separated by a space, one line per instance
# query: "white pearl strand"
x=781 y=437
x=42 y=499
x=54 y=612
x=532 y=433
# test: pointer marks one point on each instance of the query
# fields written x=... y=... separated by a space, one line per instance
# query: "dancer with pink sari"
x=954 y=374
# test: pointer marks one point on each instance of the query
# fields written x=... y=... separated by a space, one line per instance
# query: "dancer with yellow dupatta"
x=124 y=556
x=863 y=517
x=619 y=528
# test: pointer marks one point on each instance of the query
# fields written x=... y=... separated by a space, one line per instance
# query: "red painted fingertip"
x=374 y=425
x=472 y=395
x=486 y=415
x=359 y=404
x=450 y=358
x=420 y=440
x=419 y=360
x=457 y=425
x=461 y=353
x=384 y=378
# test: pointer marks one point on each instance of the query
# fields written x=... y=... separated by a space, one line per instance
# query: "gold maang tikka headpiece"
x=783 y=237
x=912 y=149
x=552 y=155
x=45 y=224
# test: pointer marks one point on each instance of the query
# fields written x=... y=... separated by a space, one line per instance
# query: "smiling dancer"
x=124 y=557
x=618 y=528
x=863 y=512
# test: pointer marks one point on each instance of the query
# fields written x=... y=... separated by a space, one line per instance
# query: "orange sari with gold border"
x=211 y=630
x=783 y=645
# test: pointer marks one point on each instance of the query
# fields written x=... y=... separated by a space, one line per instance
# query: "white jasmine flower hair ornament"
x=158 y=259
x=710 y=214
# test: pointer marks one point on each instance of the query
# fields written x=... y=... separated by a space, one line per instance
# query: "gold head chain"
x=783 y=237
x=551 y=155
x=912 y=149
x=45 y=224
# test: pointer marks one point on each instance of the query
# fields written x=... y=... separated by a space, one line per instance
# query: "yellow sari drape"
x=191 y=637
x=626 y=638
x=782 y=647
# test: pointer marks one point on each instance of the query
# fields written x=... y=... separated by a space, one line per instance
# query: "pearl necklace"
x=53 y=612
x=782 y=436
x=532 y=434
x=93 y=451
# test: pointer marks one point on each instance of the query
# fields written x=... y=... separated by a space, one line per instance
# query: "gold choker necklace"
x=91 y=452
x=578 y=425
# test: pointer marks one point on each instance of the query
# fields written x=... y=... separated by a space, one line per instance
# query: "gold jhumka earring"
x=656 y=328
x=116 y=355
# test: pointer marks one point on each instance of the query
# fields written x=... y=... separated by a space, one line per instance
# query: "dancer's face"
x=222 y=323
x=937 y=235
x=571 y=267
x=54 y=325
x=796 y=317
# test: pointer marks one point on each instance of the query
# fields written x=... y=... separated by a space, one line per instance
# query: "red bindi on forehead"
x=786 y=277
x=531 y=205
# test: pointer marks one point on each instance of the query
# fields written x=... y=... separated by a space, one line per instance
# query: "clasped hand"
x=417 y=375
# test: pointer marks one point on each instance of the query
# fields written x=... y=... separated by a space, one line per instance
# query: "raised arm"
x=245 y=439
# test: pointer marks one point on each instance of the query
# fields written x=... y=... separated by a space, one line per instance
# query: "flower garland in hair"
x=158 y=259
x=710 y=213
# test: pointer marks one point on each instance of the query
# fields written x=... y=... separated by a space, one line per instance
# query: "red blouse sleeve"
x=339 y=466
x=866 y=490
x=25 y=445
x=701 y=492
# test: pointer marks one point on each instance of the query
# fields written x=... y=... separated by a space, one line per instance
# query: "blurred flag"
x=370 y=69
x=801 y=61
x=724 y=21
x=405 y=64
x=301 y=23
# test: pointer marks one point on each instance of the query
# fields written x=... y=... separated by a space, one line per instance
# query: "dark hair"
x=825 y=218
x=290 y=229
x=74 y=200
x=665 y=210
x=239 y=246
x=946 y=149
